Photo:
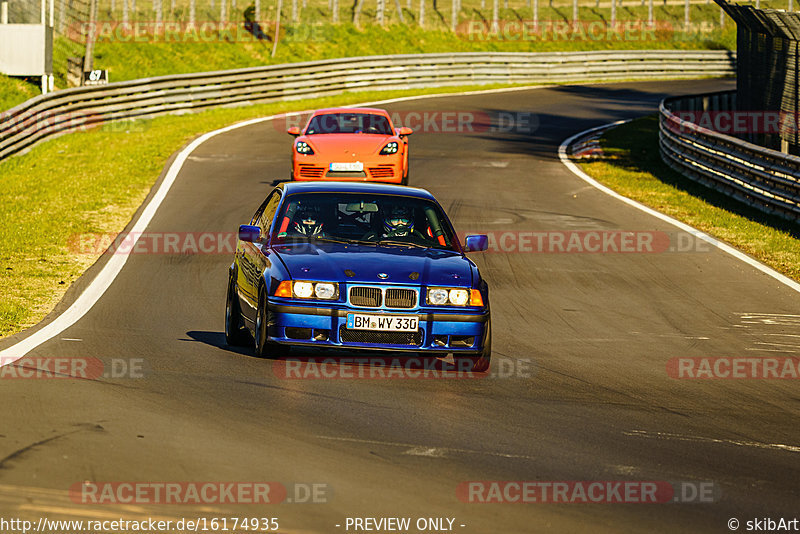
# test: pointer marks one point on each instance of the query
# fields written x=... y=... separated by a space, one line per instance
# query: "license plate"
x=353 y=166
x=383 y=323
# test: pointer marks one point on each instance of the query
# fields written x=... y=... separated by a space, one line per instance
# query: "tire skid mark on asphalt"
x=429 y=452
x=778 y=345
x=627 y=470
x=759 y=325
x=15 y=455
x=701 y=439
x=415 y=449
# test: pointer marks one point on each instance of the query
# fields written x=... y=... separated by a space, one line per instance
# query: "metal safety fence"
x=760 y=177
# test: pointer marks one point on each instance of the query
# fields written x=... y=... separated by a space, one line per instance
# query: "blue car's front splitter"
x=460 y=331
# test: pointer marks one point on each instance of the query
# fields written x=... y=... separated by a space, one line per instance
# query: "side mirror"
x=294 y=130
x=249 y=233
x=476 y=243
x=403 y=130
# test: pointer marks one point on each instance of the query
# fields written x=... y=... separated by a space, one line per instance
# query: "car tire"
x=404 y=181
x=235 y=333
x=480 y=364
x=263 y=348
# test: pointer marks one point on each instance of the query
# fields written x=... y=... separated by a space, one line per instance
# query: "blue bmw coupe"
x=357 y=266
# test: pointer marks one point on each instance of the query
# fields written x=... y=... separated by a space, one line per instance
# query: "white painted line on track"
x=700 y=439
x=114 y=266
x=562 y=155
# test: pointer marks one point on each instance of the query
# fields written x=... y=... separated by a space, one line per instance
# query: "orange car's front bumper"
x=308 y=169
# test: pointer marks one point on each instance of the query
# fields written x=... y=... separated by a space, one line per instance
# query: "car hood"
x=329 y=261
x=346 y=147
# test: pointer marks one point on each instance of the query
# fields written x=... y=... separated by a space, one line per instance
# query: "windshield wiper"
x=344 y=241
x=329 y=239
x=362 y=242
x=400 y=243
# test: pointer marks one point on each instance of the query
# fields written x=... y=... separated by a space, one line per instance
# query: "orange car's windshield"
x=349 y=123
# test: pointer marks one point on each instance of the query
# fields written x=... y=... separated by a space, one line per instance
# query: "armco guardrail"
x=82 y=107
x=760 y=177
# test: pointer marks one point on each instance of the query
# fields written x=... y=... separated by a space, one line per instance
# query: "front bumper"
x=390 y=171
x=440 y=331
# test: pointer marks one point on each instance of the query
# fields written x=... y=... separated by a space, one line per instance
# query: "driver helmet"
x=398 y=222
x=307 y=221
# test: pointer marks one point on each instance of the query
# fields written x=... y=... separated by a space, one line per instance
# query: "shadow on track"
x=217 y=339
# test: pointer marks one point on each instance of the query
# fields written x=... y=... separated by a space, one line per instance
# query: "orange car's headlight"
x=390 y=148
x=303 y=148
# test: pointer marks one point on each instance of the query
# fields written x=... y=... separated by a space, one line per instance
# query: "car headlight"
x=437 y=296
x=324 y=290
x=459 y=297
x=303 y=148
x=315 y=290
x=444 y=296
x=390 y=148
x=302 y=289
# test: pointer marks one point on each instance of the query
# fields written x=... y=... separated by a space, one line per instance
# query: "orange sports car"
x=357 y=144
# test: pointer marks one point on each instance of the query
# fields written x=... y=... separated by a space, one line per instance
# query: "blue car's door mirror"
x=249 y=233
x=476 y=243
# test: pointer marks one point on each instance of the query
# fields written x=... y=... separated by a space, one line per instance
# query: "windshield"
x=369 y=219
x=366 y=123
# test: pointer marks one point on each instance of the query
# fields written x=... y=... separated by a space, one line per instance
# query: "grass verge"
x=632 y=166
x=93 y=182
x=15 y=91
x=127 y=59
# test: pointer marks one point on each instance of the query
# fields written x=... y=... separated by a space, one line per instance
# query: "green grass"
x=633 y=167
x=14 y=91
x=129 y=60
x=93 y=182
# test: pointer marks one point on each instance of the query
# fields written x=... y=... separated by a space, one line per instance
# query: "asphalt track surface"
x=595 y=404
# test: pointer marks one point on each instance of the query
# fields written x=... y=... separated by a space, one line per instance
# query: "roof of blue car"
x=354 y=187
